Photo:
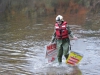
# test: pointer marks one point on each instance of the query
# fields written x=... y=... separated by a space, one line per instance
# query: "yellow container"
x=74 y=58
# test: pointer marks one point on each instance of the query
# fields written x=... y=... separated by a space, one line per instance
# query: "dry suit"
x=61 y=37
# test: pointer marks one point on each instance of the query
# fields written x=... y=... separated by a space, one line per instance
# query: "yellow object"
x=74 y=58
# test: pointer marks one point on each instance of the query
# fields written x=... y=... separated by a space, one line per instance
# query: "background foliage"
x=74 y=11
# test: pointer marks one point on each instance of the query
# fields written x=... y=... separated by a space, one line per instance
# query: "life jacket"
x=61 y=31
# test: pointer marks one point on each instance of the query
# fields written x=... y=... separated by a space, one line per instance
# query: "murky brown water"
x=22 y=50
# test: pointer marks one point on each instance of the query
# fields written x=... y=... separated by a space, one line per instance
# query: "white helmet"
x=59 y=18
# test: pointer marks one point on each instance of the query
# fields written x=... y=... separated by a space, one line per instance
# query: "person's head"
x=59 y=19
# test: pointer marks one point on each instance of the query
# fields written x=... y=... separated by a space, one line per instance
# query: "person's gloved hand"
x=50 y=43
x=75 y=38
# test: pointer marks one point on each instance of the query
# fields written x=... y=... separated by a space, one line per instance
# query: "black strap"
x=69 y=46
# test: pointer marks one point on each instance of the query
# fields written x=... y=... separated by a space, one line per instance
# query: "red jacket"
x=61 y=31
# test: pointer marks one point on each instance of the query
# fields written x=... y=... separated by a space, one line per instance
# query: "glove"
x=75 y=38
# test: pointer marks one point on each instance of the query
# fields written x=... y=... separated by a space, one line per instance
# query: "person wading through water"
x=61 y=37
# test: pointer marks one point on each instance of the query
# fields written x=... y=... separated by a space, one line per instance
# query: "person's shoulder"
x=65 y=22
x=56 y=23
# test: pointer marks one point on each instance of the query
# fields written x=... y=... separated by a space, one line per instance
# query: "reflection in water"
x=62 y=70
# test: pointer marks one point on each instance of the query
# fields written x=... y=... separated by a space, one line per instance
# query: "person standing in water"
x=61 y=37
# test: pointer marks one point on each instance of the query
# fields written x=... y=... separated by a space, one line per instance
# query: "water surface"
x=22 y=50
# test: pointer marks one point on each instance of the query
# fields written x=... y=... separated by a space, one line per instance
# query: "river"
x=22 y=50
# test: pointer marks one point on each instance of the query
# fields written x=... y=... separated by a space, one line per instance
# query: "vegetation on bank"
x=74 y=11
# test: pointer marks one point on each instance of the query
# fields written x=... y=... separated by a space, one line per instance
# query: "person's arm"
x=53 y=37
x=70 y=33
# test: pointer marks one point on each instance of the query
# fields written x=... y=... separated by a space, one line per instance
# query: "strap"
x=69 y=46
